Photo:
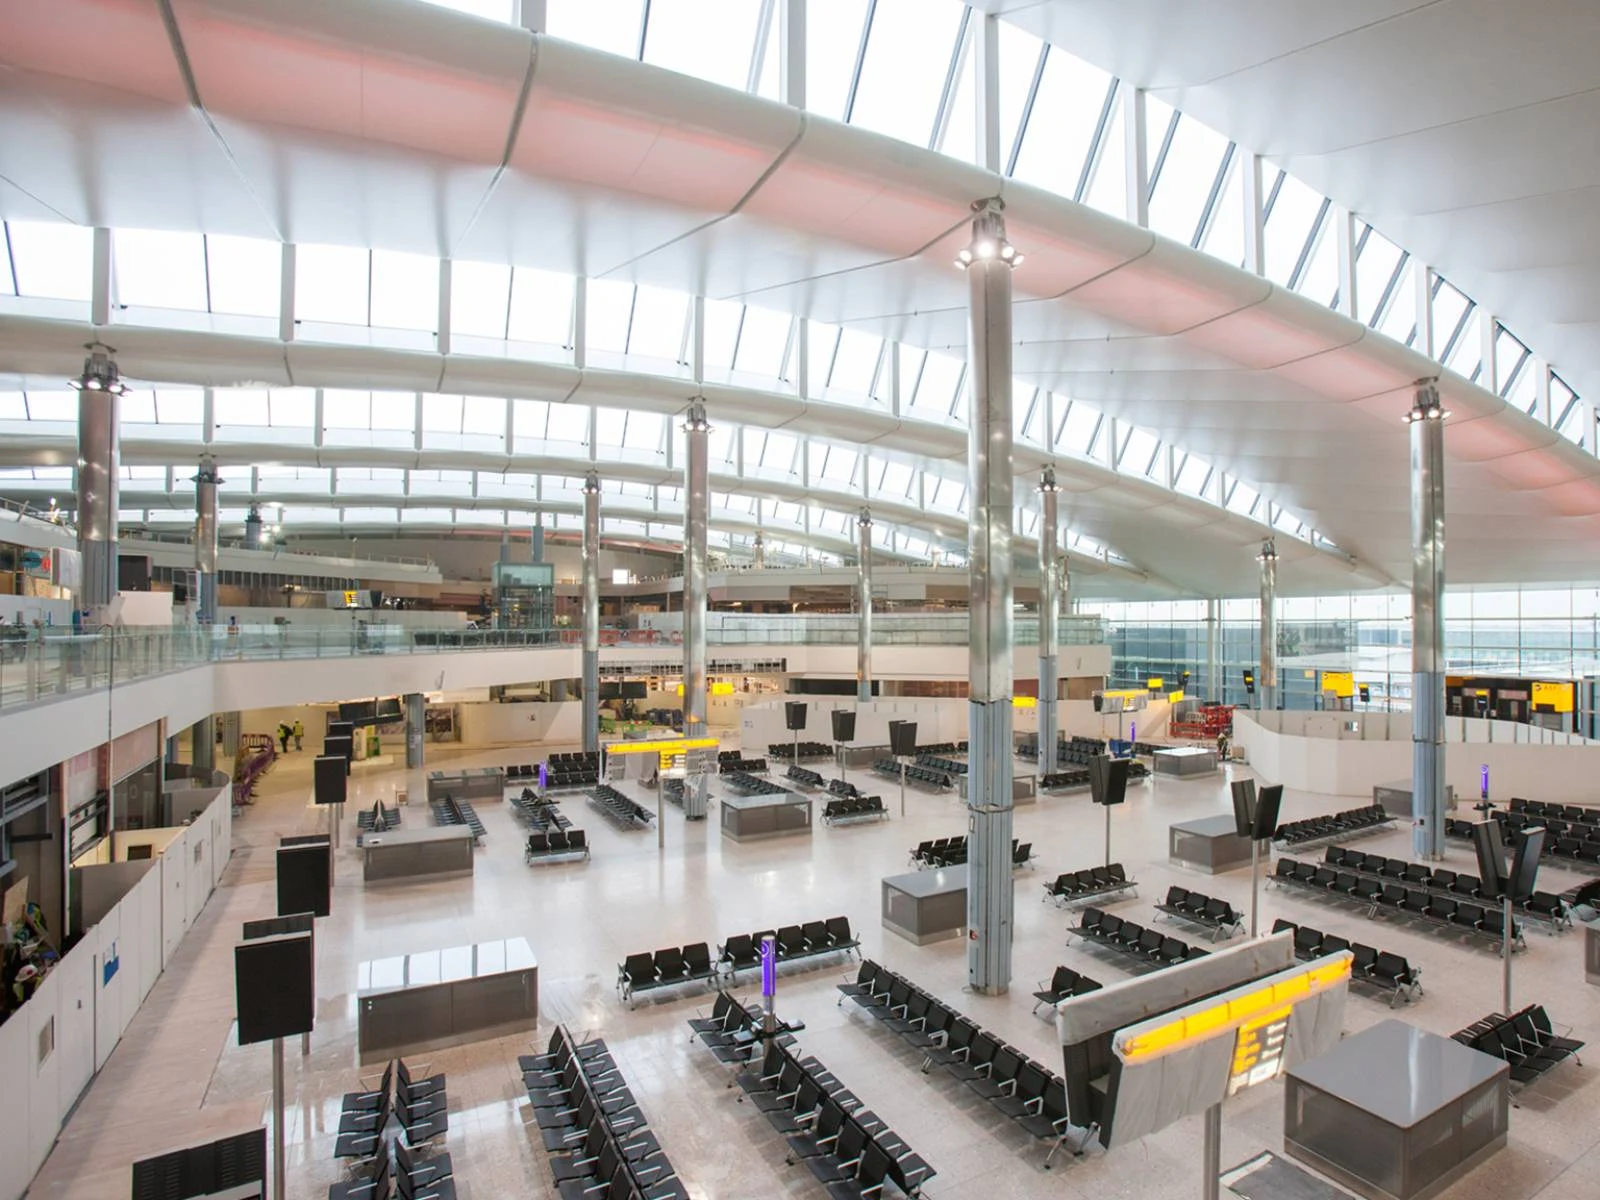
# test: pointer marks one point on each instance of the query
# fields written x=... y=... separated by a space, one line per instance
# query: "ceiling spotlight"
x=963 y=257
x=100 y=372
x=1007 y=251
x=1434 y=412
x=1016 y=260
x=985 y=249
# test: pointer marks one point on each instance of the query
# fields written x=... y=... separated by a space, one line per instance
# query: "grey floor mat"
x=1268 y=1177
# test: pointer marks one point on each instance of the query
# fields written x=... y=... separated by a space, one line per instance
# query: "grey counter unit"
x=1209 y=844
x=1395 y=1112
x=474 y=784
x=1024 y=788
x=414 y=853
x=1185 y=760
x=437 y=998
x=748 y=818
x=1395 y=798
x=926 y=906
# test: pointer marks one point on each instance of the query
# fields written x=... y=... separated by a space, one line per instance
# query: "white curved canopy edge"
x=380 y=123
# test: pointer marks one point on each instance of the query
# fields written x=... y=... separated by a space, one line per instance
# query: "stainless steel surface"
x=591 y=612
x=416 y=716
x=99 y=469
x=1267 y=673
x=864 y=607
x=1211 y=1159
x=416 y=853
x=205 y=540
x=440 y=998
x=1213 y=624
x=1505 y=955
x=203 y=743
x=1427 y=623
x=1049 y=606
x=989 y=262
x=278 y=1139
x=752 y=818
x=926 y=906
x=1208 y=844
x=696 y=501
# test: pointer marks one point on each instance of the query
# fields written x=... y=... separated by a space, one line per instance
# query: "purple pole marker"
x=1483 y=780
x=769 y=983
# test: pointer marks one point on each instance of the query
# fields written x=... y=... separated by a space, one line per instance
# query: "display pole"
x=902 y=787
x=1107 y=807
x=1505 y=956
x=277 y=1119
x=1255 y=883
x=1210 y=1185
x=769 y=984
x=661 y=825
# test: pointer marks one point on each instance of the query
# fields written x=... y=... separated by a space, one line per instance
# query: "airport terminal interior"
x=632 y=599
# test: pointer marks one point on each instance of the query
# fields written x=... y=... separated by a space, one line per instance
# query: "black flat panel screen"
x=1268 y=805
x=611 y=691
x=389 y=711
x=902 y=738
x=219 y=1166
x=340 y=729
x=343 y=747
x=635 y=689
x=1525 y=864
x=1108 y=779
x=328 y=777
x=274 y=987
x=794 y=715
x=1244 y=806
x=273 y=926
x=844 y=725
x=305 y=879
x=1491 y=850
x=358 y=712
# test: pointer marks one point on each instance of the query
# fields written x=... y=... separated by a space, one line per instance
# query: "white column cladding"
x=986 y=89
x=989 y=260
x=1136 y=156
x=98 y=475
x=864 y=607
x=792 y=52
x=696 y=499
x=205 y=540
x=759 y=550
x=1427 y=417
x=591 y=612
x=1216 y=687
x=1267 y=681
x=416 y=719
x=1254 y=216
x=1049 y=624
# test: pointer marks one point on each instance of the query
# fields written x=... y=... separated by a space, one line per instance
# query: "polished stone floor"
x=178 y=1078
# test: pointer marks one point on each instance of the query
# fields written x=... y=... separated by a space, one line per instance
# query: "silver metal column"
x=591 y=612
x=1427 y=417
x=760 y=549
x=203 y=744
x=205 y=539
x=538 y=540
x=1216 y=687
x=988 y=262
x=99 y=467
x=416 y=717
x=1049 y=623
x=696 y=501
x=255 y=530
x=864 y=607
x=1267 y=676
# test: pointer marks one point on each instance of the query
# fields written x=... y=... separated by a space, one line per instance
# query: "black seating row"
x=1526 y=1041
x=846 y=1147
x=1063 y=781
x=1019 y=1087
x=412 y=1177
x=1206 y=911
x=377 y=818
x=1390 y=975
x=1148 y=946
x=728 y=766
x=733 y=1032
x=741 y=784
x=795 y=942
x=449 y=811
x=952 y=852
x=665 y=968
x=1541 y=906
x=945 y=766
x=922 y=777
x=1341 y=826
x=808 y=751
x=541 y=813
x=1547 y=810
x=598 y=1140
x=941 y=748
x=622 y=811
x=1063 y=983
x=854 y=808
x=574 y=758
x=574 y=779
x=522 y=771
x=1485 y=923
x=1575 y=844
x=804 y=776
x=556 y=845
x=1089 y=884
x=672 y=790
x=843 y=787
x=419 y=1105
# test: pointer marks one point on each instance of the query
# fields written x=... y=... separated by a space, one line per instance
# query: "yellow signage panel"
x=722 y=688
x=1557 y=695
x=1340 y=683
x=663 y=746
x=1024 y=702
x=1125 y=693
x=350 y=599
x=1174 y=697
x=1154 y=683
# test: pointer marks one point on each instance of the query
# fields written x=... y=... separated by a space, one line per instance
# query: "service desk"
x=926 y=906
x=1185 y=761
x=856 y=757
x=1024 y=789
x=1395 y=1112
x=438 y=998
x=1209 y=844
x=750 y=818
x=473 y=784
x=415 y=852
x=1395 y=798
x=1591 y=951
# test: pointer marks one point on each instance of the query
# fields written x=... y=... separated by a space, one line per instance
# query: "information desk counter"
x=415 y=852
x=474 y=784
x=1209 y=844
x=1185 y=760
x=750 y=818
x=1395 y=1112
x=1591 y=951
x=926 y=906
x=439 y=998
